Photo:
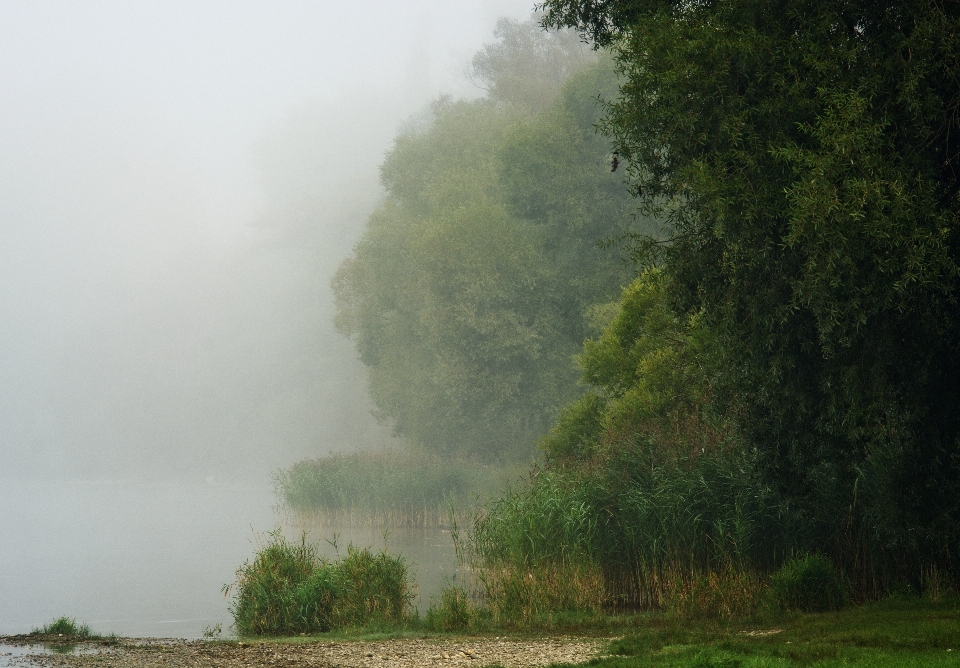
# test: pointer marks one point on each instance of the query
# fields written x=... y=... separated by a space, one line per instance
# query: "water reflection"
x=13 y=655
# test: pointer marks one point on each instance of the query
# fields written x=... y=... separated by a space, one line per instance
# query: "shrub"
x=64 y=626
x=808 y=583
x=288 y=589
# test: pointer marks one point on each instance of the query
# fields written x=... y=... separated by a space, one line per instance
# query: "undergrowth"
x=631 y=532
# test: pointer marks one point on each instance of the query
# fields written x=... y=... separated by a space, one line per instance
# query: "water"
x=14 y=655
x=150 y=559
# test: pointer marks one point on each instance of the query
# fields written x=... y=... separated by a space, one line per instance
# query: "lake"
x=150 y=559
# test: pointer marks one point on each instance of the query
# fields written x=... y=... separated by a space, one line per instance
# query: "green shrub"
x=288 y=589
x=64 y=626
x=808 y=583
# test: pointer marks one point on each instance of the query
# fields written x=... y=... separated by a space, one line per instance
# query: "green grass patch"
x=388 y=488
x=65 y=628
x=894 y=632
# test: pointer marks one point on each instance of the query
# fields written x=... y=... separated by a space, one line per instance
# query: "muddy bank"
x=404 y=653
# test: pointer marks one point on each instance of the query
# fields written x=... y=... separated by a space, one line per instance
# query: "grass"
x=65 y=628
x=629 y=533
x=894 y=632
x=387 y=488
x=288 y=588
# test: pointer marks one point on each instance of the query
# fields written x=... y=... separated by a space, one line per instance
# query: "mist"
x=178 y=184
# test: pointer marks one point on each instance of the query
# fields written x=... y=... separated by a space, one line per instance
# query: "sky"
x=178 y=183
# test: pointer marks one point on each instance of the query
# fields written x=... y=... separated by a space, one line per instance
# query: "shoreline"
x=428 y=652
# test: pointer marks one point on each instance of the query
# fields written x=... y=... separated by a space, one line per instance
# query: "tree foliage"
x=467 y=295
x=805 y=154
x=652 y=377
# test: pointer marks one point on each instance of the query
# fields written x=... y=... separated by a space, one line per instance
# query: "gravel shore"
x=401 y=653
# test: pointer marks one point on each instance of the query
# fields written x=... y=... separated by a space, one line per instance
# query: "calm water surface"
x=150 y=559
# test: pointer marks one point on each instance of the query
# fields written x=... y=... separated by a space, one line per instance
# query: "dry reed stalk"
x=520 y=597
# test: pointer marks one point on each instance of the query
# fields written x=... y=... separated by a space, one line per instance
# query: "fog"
x=178 y=183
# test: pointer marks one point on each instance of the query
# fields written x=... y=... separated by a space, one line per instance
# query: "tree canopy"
x=805 y=155
x=469 y=291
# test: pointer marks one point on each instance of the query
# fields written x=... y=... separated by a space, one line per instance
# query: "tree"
x=468 y=293
x=805 y=154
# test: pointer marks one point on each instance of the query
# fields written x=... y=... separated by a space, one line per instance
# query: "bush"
x=289 y=589
x=808 y=583
x=66 y=627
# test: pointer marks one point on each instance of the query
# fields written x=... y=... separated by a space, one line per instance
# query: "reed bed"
x=657 y=534
x=697 y=537
x=388 y=489
x=633 y=530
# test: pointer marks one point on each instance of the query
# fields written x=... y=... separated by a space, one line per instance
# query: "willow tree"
x=468 y=294
x=806 y=155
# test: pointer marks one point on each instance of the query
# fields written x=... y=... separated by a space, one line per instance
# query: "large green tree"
x=805 y=154
x=468 y=293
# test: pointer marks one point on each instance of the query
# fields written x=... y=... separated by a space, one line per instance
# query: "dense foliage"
x=782 y=375
x=805 y=155
x=289 y=589
x=469 y=293
x=646 y=482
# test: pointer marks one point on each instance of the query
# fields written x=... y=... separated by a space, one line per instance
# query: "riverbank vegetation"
x=389 y=489
x=767 y=393
x=65 y=629
x=289 y=589
x=800 y=614
x=783 y=376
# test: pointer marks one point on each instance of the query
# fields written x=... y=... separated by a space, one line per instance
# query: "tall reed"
x=638 y=532
x=288 y=588
x=387 y=488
